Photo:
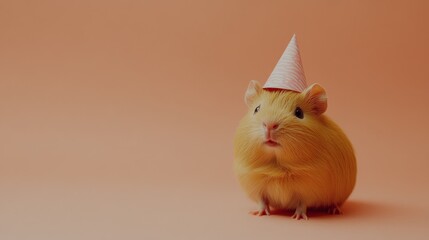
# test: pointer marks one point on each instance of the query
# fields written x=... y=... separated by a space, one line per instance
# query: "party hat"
x=288 y=74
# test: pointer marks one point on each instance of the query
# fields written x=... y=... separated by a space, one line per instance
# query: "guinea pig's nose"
x=271 y=125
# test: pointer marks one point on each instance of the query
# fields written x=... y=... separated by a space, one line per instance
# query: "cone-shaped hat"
x=288 y=73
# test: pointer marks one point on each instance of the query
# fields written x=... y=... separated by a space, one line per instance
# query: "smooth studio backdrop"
x=117 y=117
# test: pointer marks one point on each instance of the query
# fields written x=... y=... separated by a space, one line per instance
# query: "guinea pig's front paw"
x=300 y=212
x=264 y=209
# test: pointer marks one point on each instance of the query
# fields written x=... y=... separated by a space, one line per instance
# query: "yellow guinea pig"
x=289 y=155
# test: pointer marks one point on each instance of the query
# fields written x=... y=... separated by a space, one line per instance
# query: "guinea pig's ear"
x=316 y=97
x=253 y=90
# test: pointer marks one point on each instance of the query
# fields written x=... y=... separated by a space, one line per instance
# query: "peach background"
x=117 y=117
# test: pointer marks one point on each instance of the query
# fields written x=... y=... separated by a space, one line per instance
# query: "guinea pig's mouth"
x=271 y=143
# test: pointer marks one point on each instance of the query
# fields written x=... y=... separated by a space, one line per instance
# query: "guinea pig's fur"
x=313 y=164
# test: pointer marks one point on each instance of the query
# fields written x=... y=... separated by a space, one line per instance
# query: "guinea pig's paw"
x=300 y=213
x=334 y=210
x=264 y=209
x=260 y=212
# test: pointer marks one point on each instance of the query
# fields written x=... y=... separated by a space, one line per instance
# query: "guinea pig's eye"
x=299 y=113
x=257 y=109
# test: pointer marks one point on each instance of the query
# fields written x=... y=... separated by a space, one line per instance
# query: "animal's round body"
x=289 y=155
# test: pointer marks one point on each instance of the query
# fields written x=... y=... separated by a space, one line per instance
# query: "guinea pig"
x=289 y=155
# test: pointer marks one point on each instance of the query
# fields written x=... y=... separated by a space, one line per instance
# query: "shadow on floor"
x=350 y=209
